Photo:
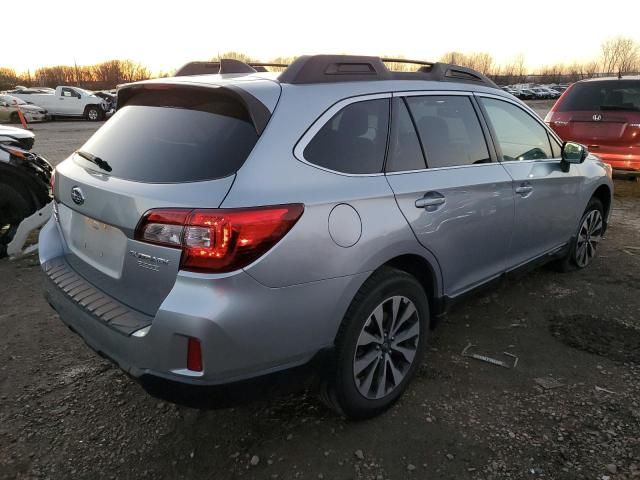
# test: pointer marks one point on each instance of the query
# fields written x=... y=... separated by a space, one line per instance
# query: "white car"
x=9 y=106
x=65 y=102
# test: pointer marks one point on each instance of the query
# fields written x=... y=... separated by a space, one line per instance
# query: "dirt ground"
x=65 y=413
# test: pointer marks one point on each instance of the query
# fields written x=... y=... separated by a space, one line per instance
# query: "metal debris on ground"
x=600 y=389
x=548 y=383
x=492 y=361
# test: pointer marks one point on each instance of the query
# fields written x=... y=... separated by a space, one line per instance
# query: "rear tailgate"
x=175 y=147
x=602 y=128
x=99 y=232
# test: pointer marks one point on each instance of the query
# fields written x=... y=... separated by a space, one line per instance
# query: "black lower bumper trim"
x=280 y=383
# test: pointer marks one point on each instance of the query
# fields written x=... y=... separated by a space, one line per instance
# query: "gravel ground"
x=66 y=413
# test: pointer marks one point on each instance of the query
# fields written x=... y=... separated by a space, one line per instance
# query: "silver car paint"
x=286 y=306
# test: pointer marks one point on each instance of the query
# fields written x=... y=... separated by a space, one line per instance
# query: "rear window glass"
x=620 y=95
x=354 y=140
x=405 y=152
x=170 y=137
x=450 y=130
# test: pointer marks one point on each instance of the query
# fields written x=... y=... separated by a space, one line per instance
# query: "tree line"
x=100 y=76
x=617 y=56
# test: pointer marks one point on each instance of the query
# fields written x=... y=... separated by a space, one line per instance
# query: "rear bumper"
x=129 y=353
x=246 y=330
x=623 y=160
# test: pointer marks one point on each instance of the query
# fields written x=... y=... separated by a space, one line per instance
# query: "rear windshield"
x=615 y=95
x=170 y=137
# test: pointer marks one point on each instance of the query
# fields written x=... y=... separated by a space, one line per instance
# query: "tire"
x=14 y=208
x=584 y=244
x=14 y=118
x=93 y=114
x=370 y=371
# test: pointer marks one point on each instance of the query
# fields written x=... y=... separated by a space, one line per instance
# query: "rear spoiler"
x=257 y=110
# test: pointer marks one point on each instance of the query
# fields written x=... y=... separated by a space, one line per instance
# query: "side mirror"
x=572 y=153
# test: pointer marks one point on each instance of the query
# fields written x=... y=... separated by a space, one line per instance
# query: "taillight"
x=52 y=183
x=218 y=240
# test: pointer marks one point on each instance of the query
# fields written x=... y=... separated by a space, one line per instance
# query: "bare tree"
x=243 y=57
x=480 y=61
x=8 y=78
x=619 y=55
x=455 y=58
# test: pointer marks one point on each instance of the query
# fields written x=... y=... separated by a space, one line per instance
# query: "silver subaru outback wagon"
x=223 y=228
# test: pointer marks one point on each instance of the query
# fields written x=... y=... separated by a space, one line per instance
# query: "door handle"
x=431 y=201
x=524 y=190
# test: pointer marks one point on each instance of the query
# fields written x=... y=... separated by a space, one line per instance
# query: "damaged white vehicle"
x=25 y=194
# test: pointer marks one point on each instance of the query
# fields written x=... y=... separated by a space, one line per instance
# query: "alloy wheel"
x=589 y=235
x=386 y=347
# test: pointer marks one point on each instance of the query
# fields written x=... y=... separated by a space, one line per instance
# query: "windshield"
x=161 y=137
x=12 y=100
x=82 y=90
x=621 y=95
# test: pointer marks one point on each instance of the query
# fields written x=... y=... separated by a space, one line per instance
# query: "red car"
x=604 y=115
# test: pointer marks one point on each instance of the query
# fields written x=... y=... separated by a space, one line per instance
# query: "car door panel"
x=469 y=230
x=545 y=196
x=462 y=209
x=545 y=207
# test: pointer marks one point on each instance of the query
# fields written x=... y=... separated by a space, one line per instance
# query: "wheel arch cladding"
x=423 y=271
x=603 y=193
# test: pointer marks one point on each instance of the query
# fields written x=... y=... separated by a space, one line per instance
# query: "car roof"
x=601 y=79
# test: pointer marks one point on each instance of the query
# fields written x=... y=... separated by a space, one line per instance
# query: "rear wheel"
x=587 y=239
x=379 y=346
x=14 y=117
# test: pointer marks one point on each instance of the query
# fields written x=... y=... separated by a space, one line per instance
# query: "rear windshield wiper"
x=103 y=164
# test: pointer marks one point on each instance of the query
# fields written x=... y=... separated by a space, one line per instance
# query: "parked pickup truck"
x=65 y=102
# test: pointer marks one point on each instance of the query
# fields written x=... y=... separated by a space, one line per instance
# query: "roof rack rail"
x=225 y=65
x=346 y=68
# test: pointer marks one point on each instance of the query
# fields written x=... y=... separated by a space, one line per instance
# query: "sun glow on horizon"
x=164 y=36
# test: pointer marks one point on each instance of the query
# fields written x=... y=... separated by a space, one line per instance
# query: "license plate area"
x=100 y=245
x=599 y=130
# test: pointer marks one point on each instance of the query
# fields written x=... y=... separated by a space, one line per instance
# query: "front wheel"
x=589 y=235
x=379 y=346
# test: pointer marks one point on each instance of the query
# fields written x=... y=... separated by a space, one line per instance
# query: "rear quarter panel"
x=273 y=175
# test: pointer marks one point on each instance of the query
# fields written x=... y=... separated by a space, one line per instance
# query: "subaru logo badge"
x=597 y=117
x=77 y=196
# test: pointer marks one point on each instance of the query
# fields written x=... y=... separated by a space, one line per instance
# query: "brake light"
x=218 y=240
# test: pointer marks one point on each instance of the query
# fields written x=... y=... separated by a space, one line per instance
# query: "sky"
x=165 y=34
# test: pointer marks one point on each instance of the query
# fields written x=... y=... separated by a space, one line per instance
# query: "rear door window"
x=602 y=95
x=449 y=129
x=519 y=135
x=405 y=152
x=170 y=137
x=354 y=140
